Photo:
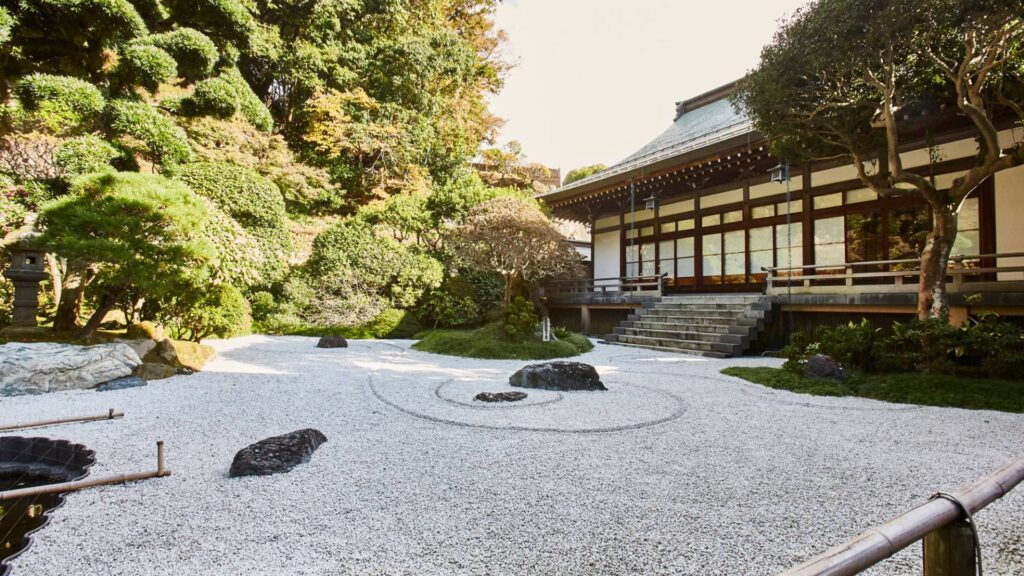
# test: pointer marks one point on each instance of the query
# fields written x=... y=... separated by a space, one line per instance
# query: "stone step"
x=688 y=335
x=719 y=327
x=708 y=354
x=696 y=346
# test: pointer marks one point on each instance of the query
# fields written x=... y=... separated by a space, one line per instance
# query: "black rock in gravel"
x=121 y=384
x=822 y=366
x=500 y=396
x=562 y=376
x=332 y=342
x=277 y=454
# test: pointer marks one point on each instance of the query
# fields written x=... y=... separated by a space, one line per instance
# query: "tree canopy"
x=858 y=80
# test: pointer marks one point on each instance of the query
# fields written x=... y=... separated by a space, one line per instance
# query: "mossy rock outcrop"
x=181 y=354
x=145 y=330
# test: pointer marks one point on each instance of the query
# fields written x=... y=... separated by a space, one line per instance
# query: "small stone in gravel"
x=500 y=396
x=565 y=376
x=184 y=371
x=332 y=342
x=121 y=384
x=277 y=454
x=821 y=366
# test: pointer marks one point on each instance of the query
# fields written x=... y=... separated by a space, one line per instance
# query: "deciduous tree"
x=841 y=75
x=513 y=237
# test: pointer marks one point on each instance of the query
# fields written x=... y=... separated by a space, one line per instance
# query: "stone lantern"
x=26 y=271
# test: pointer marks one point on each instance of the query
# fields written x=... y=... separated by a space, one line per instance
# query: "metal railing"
x=637 y=285
x=949 y=549
x=966 y=274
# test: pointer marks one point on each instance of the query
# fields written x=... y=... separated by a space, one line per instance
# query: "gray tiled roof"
x=692 y=130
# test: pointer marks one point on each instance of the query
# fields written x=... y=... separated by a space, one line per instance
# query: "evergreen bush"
x=145 y=65
x=60 y=103
x=193 y=51
x=165 y=143
x=85 y=154
x=214 y=97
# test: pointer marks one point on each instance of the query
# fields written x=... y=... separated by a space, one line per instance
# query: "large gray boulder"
x=40 y=367
x=563 y=376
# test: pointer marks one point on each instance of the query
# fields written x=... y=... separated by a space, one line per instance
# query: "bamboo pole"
x=110 y=415
x=883 y=541
x=62 y=487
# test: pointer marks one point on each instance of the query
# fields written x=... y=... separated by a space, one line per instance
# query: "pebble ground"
x=676 y=470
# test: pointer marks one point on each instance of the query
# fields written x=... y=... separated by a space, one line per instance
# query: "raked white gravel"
x=676 y=470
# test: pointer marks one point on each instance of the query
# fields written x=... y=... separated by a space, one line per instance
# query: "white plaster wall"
x=1009 y=217
x=606 y=255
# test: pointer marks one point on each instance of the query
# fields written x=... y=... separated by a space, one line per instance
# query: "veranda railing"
x=966 y=274
x=636 y=285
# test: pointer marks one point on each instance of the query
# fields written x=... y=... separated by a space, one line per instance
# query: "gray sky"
x=597 y=79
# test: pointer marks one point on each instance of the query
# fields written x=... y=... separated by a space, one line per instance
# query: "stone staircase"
x=714 y=325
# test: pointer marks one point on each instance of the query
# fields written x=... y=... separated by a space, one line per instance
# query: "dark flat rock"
x=500 y=396
x=277 y=454
x=121 y=384
x=561 y=376
x=332 y=342
x=822 y=366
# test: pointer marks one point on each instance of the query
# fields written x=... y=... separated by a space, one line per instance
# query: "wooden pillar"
x=949 y=551
x=957 y=315
x=585 y=319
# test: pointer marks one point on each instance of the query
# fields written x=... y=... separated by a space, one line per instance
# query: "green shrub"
x=263 y=305
x=165 y=143
x=214 y=97
x=248 y=197
x=250 y=105
x=393 y=323
x=520 y=320
x=491 y=341
x=229 y=18
x=240 y=260
x=84 y=155
x=145 y=65
x=194 y=52
x=7 y=23
x=852 y=346
x=375 y=265
x=206 y=311
x=60 y=103
x=986 y=347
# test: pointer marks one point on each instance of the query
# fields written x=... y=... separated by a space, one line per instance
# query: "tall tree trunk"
x=932 y=300
x=56 y=277
x=69 y=309
x=107 y=303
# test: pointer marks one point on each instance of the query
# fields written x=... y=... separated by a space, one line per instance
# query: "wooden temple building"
x=700 y=243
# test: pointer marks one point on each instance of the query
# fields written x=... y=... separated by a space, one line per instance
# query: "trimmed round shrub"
x=214 y=97
x=206 y=311
x=239 y=258
x=60 y=103
x=85 y=154
x=165 y=142
x=194 y=52
x=249 y=198
x=146 y=66
x=251 y=106
x=229 y=18
x=262 y=305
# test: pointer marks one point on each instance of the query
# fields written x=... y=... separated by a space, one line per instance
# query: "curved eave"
x=650 y=167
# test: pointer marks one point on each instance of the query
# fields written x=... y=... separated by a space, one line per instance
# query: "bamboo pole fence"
x=160 y=472
x=110 y=415
x=934 y=516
